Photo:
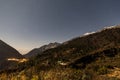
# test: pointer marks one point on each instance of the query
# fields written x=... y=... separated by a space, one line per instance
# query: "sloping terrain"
x=6 y=52
x=36 y=51
x=90 y=57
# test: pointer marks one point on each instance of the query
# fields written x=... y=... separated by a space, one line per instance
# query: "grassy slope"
x=87 y=58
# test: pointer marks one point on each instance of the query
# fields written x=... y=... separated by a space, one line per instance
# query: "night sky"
x=27 y=24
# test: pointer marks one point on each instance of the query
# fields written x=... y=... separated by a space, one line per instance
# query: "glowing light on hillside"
x=17 y=60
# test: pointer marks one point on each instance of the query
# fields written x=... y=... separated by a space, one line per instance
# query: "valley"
x=93 y=56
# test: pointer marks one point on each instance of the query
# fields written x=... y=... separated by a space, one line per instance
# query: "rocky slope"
x=93 y=56
x=41 y=49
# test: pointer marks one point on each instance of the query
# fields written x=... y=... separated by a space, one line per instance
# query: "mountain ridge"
x=6 y=51
x=36 y=51
x=91 y=57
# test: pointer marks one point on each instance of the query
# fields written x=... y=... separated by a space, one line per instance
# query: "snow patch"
x=89 y=33
x=110 y=27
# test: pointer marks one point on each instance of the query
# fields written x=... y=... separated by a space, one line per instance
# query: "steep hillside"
x=93 y=56
x=6 y=52
x=41 y=49
x=88 y=44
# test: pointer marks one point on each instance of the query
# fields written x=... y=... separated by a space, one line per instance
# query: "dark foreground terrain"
x=90 y=57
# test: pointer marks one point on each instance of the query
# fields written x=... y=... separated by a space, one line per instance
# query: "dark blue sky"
x=26 y=24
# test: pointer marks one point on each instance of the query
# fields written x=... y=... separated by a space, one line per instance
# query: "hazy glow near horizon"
x=27 y=24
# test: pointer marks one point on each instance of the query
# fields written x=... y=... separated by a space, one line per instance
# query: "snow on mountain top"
x=110 y=27
x=88 y=33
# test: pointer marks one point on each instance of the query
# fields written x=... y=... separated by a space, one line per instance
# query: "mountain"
x=93 y=56
x=6 y=51
x=41 y=49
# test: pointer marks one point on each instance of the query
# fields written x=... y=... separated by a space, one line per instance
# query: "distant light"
x=17 y=60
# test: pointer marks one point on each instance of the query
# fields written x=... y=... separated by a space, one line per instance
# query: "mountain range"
x=41 y=49
x=93 y=56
